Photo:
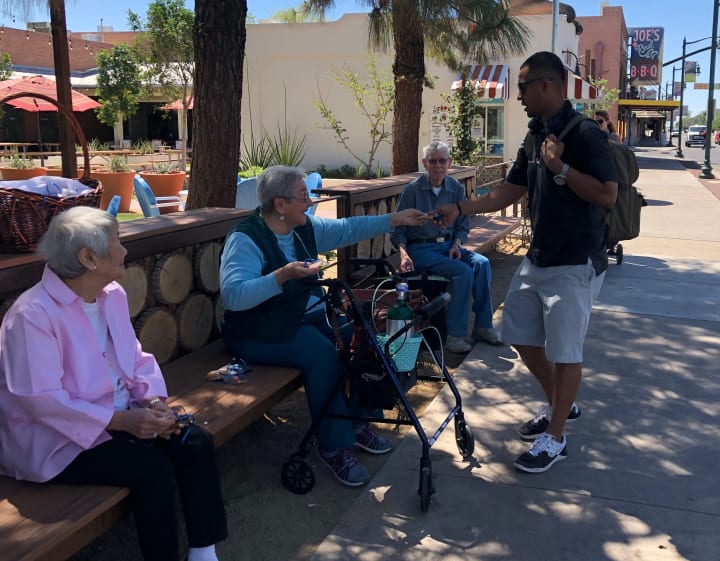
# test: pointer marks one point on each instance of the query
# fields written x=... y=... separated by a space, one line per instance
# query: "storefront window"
x=495 y=117
x=488 y=127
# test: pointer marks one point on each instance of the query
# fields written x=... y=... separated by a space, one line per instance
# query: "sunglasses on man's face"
x=522 y=86
x=600 y=121
x=441 y=161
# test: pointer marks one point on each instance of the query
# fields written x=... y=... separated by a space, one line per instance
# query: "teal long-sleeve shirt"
x=242 y=284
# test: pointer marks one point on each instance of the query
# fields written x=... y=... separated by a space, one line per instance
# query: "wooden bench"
x=46 y=522
x=486 y=231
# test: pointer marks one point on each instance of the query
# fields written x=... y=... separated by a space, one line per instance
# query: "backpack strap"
x=529 y=141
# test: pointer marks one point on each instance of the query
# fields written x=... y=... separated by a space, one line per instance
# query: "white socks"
x=202 y=554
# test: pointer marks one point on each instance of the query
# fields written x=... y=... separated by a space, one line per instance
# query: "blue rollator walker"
x=378 y=375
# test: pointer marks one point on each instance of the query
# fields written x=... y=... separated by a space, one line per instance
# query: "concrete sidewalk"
x=641 y=478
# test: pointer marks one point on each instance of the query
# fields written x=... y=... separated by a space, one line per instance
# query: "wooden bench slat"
x=51 y=522
x=487 y=231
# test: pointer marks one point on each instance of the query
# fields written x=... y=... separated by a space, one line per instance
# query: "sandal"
x=235 y=372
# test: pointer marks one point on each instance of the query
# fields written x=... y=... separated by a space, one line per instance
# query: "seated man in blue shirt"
x=440 y=252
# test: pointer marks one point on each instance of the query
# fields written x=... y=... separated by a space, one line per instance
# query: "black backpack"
x=623 y=219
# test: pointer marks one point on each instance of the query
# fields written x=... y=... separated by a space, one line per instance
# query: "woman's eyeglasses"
x=305 y=199
x=441 y=161
x=522 y=86
x=600 y=121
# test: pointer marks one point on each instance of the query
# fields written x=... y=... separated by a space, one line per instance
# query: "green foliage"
x=287 y=146
x=252 y=171
x=255 y=154
x=118 y=164
x=118 y=84
x=162 y=167
x=374 y=96
x=165 y=46
x=95 y=145
x=5 y=66
x=463 y=109
x=295 y=15
x=18 y=162
x=606 y=99
x=346 y=171
x=143 y=147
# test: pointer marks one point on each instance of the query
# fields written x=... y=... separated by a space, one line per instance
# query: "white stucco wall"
x=288 y=63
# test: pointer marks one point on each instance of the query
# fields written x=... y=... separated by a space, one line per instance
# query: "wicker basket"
x=24 y=217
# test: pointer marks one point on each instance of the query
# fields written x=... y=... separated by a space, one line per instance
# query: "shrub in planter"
x=117 y=179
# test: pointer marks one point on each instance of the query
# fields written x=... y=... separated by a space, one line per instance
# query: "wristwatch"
x=560 y=177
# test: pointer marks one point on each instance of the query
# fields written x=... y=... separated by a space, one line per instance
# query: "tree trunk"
x=61 y=57
x=409 y=73
x=219 y=43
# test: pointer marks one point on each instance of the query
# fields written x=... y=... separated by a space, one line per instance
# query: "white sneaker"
x=457 y=345
x=543 y=453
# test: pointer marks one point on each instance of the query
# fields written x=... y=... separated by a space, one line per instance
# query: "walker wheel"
x=425 y=489
x=464 y=438
x=619 y=254
x=297 y=475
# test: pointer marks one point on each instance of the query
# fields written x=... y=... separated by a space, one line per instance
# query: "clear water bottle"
x=400 y=314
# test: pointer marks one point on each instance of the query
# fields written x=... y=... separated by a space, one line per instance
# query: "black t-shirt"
x=567 y=230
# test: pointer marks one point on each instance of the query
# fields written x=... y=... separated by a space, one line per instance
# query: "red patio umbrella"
x=41 y=85
x=178 y=104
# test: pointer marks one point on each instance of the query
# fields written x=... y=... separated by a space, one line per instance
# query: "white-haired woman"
x=83 y=404
x=272 y=317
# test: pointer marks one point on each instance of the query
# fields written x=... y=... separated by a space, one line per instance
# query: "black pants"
x=153 y=470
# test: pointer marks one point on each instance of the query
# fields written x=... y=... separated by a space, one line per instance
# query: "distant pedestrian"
x=602 y=118
x=570 y=183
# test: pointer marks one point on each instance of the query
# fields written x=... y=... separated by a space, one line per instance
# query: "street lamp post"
x=706 y=170
x=679 y=152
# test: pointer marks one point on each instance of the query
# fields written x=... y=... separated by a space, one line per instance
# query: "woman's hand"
x=408 y=217
x=144 y=423
x=297 y=270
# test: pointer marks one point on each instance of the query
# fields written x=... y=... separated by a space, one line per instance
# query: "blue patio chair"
x=149 y=203
x=313 y=181
x=114 y=205
x=246 y=195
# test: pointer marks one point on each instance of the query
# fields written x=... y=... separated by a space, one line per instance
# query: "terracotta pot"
x=54 y=171
x=115 y=183
x=165 y=185
x=13 y=174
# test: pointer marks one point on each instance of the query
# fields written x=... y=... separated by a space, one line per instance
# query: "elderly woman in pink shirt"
x=81 y=403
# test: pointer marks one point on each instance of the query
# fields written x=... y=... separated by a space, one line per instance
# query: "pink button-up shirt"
x=56 y=394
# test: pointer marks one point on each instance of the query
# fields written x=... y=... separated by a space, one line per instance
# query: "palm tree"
x=61 y=58
x=453 y=30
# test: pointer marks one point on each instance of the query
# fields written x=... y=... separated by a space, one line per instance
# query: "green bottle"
x=399 y=314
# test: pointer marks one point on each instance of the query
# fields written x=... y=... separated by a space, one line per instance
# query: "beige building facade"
x=288 y=65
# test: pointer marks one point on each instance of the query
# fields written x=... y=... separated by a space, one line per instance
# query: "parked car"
x=696 y=135
x=674 y=133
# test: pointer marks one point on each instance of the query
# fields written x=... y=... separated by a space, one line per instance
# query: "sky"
x=692 y=18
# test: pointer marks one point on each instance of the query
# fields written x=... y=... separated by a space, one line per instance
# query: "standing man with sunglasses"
x=570 y=182
x=438 y=250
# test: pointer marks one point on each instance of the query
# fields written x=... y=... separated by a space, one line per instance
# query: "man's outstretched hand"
x=445 y=216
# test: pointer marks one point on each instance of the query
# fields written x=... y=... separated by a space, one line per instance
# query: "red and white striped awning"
x=577 y=88
x=490 y=82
